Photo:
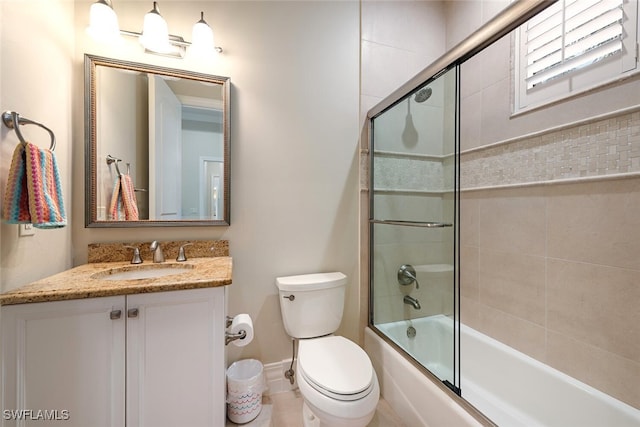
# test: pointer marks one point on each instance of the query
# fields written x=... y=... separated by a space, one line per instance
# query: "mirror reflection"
x=157 y=145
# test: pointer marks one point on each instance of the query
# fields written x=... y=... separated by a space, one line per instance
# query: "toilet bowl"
x=335 y=376
x=337 y=382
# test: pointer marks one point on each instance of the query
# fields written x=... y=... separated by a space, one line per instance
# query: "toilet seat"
x=336 y=367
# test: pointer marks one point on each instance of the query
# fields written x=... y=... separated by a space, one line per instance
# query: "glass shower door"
x=413 y=226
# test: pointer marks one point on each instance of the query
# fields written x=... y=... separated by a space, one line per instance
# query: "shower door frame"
x=455 y=386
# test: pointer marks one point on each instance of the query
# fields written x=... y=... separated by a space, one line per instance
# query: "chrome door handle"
x=132 y=312
x=115 y=314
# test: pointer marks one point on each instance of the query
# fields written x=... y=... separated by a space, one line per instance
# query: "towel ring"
x=12 y=120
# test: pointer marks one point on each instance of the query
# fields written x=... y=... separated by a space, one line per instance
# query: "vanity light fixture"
x=155 y=37
x=155 y=32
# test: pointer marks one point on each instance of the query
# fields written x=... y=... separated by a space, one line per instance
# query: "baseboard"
x=274 y=376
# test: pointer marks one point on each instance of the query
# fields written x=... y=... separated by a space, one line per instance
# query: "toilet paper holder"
x=229 y=322
x=230 y=337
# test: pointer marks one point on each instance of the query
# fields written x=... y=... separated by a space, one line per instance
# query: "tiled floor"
x=285 y=410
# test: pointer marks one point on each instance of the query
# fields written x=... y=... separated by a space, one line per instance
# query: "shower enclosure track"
x=425 y=224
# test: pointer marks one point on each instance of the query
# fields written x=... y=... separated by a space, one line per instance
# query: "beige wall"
x=36 y=54
x=294 y=70
x=294 y=133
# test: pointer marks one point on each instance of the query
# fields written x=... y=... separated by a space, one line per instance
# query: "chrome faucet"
x=408 y=299
x=136 y=255
x=158 y=256
x=181 y=253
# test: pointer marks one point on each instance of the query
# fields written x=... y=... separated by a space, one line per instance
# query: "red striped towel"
x=33 y=193
x=124 y=205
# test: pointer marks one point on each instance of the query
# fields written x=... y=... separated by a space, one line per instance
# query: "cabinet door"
x=175 y=359
x=63 y=363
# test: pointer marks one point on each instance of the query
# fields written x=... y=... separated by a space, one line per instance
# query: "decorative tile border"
x=600 y=148
x=407 y=172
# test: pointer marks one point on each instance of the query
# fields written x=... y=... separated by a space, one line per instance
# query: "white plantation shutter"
x=574 y=35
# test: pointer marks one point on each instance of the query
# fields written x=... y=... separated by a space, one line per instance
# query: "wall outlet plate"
x=26 y=230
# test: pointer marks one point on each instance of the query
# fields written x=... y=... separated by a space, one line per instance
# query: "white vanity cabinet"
x=64 y=356
x=154 y=359
x=175 y=359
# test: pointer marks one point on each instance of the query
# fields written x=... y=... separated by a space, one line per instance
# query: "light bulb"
x=202 y=37
x=155 y=33
x=103 y=22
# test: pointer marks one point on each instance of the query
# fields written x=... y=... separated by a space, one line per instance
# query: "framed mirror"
x=156 y=146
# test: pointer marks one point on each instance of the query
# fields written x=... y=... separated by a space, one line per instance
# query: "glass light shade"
x=155 y=33
x=103 y=22
x=202 y=39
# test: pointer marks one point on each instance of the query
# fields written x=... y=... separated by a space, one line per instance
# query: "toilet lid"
x=336 y=367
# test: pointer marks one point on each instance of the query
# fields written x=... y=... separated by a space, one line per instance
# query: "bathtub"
x=509 y=387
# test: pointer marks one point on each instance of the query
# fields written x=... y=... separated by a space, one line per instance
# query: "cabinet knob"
x=115 y=314
x=132 y=312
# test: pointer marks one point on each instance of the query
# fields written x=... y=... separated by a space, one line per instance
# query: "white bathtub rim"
x=448 y=409
x=620 y=406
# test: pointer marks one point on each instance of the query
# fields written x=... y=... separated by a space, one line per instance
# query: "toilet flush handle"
x=289 y=297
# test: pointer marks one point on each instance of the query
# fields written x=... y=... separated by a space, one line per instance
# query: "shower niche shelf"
x=433 y=268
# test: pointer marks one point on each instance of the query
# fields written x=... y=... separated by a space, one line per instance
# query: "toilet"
x=335 y=376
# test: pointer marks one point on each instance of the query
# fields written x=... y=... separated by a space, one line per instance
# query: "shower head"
x=423 y=94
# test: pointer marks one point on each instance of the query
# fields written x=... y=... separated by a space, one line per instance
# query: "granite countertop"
x=87 y=281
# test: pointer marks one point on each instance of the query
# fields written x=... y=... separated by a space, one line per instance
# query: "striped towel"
x=33 y=194
x=123 y=205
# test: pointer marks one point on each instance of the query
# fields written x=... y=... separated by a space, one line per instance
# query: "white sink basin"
x=141 y=272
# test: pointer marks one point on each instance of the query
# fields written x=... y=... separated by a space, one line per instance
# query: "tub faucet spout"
x=408 y=299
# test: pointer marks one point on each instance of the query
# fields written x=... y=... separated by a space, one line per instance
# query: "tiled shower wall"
x=550 y=249
x=553 y=272
x=549 y=266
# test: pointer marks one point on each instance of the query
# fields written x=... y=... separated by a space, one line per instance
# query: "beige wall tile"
x=609 y=373
x=513 y=221
x=522 y=335
x=596 y=222
x=469 y=272
x=470 y=126
x=570 y=305
x=595 y=304
x=469 y=219
x=470 y=312
x=514 y=284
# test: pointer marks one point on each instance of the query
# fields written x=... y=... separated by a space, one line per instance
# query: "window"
x=573 y=46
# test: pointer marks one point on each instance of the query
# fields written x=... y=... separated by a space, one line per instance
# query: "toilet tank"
x=311 y=304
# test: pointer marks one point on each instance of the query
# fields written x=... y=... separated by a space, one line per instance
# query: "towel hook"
x=12 y=120
x=111 y=159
